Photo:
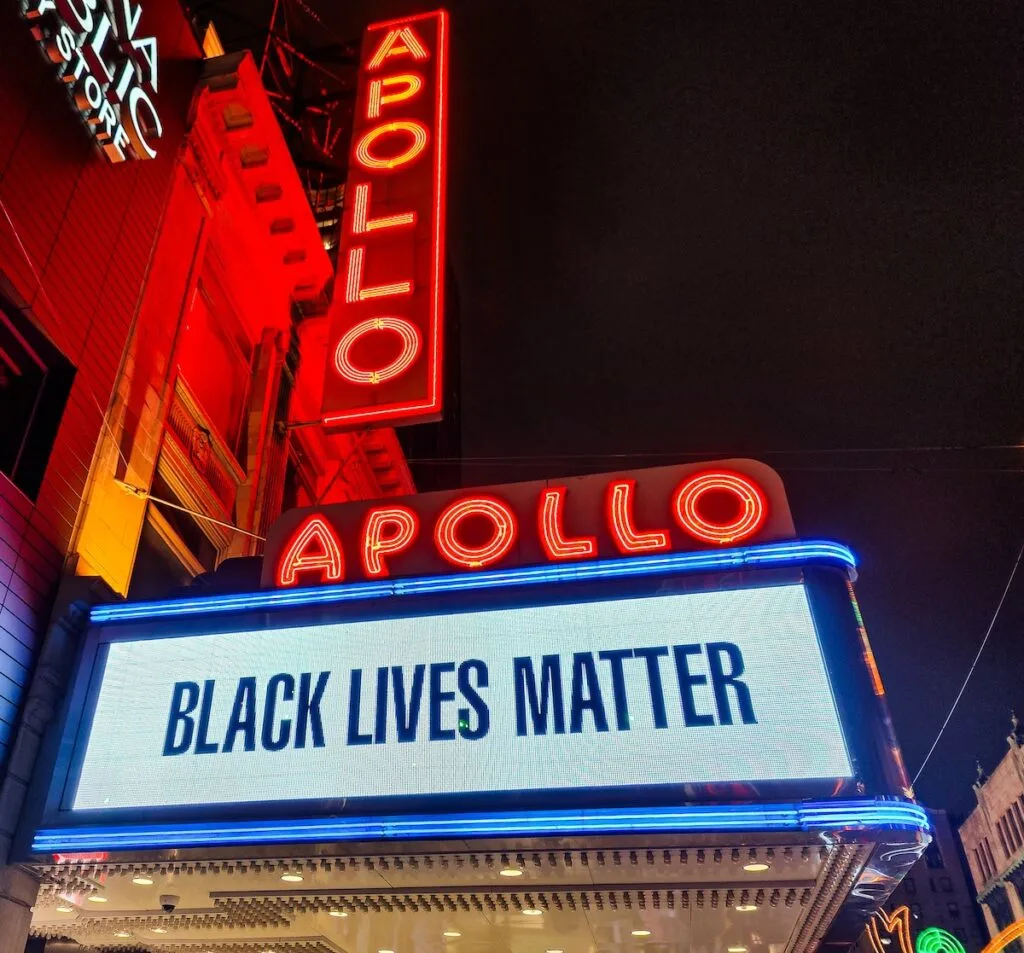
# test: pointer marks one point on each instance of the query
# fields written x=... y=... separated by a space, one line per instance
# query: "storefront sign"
x=109 y=66
x=386 y=319
x=685 y=688
x=641 y=512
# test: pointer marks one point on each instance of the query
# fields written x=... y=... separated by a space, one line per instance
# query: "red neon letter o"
x=475 y=557
x=411 y=127
x=411 y=344
x=753 y=507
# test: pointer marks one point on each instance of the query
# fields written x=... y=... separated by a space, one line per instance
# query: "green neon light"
x=937 y=940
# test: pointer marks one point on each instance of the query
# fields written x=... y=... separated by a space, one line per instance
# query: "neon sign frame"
x=394 y=142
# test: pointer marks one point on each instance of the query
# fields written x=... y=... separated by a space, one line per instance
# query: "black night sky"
x=787 y=230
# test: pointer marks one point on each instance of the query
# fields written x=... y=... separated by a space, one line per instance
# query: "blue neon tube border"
x=766 y=555
x=868 y=814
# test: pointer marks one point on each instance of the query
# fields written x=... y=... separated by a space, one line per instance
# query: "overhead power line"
x=974 y=664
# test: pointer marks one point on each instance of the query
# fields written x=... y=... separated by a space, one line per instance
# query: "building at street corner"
x=159 y=270
x=993 y=837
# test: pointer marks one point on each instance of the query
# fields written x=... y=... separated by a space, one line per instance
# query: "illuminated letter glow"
x=402 y=525
x=313 y=548
x=753 y=507
x=411 y=345
x=937 y=940
x=411 y=127
x=620 y=522
x=354 y=291
x=400 y=42
x=475 y=557
x=376 y=98
x=361 y=223
x=897 y=922
x=549 y=526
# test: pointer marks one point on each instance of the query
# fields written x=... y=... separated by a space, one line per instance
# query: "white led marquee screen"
x=703 y=687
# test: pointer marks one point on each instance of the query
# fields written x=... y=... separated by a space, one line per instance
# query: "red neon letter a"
x=402 y=41
x=312 y=548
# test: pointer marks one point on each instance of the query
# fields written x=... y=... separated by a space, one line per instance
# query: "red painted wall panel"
x=76 y=234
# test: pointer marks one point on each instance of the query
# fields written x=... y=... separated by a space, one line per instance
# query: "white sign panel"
x=686 y=688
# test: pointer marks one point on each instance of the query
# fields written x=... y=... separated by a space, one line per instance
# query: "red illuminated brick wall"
x=76 y=234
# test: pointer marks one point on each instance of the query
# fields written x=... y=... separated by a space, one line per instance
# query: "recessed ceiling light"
x=737 y=949
x=746 y=907
x=511 y=871
x=385 y=951
x=143 y=881
x=122 y=933
x=641 y=932
x=337 y=913
x=96 y=898
x=292 y=878
x=64 y=909
x=159 y=929
x=451 y=934
x=532 y=912
x=553 y=951
x=756 y=867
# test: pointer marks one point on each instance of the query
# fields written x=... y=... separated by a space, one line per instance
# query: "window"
x=946 y=884
x=1003 y=842
x=35 y=380
x=987 y=852
x=954 y=909
x=158 y=571
x=933 y=856
x=909 y=887
x=1012 y=830
x=214 y=359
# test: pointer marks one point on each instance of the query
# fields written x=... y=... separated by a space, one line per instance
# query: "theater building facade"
x=259 y=695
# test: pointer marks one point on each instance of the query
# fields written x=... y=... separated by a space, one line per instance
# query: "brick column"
x=18 y=891
x=990 y=920
x=1013 y=895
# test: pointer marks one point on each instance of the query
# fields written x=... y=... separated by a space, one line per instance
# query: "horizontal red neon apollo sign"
x=592 y=517
x=386 y=317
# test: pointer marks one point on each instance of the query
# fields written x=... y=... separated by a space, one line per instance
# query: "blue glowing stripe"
x=861 y=815
x=790 y=553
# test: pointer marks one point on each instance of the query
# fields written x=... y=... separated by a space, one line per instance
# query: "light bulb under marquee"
x=451 y=934
x=736 y=949
x=746 y=907
x=532 y=912
x=159 y=930
x=511 y=872
x=292 y=878
x=640 y=932
x=122 y=934
x=95 y=898
x=63 y=909
x=337 y=913
x=756 y=868
x=142 y=881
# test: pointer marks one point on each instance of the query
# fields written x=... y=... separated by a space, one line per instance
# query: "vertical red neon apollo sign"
x=386 y=319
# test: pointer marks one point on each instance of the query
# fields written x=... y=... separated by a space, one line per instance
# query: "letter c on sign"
x=753 y=507
x=411 y=344
x=502 y=539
